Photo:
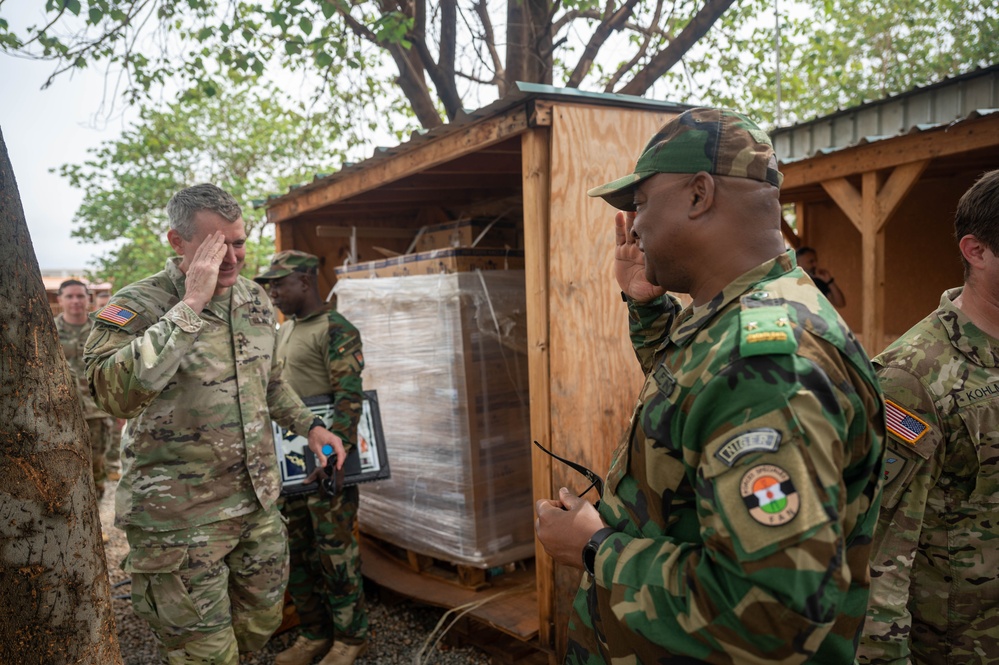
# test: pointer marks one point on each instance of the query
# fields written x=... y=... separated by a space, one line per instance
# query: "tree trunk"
x=529 y=42
x=54 y=592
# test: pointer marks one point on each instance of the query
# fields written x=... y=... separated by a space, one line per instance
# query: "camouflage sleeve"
x=769 y=575
x=285 y=406
x=129 y=365
x=649 y=325
x=345 y=361
x=911 y=470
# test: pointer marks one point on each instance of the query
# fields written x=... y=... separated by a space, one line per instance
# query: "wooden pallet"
x=464 y=576
x=509 y=602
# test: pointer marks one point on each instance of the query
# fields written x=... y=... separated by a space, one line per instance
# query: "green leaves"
x=242 y=139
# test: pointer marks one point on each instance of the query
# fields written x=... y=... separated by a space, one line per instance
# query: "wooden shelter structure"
x=529 y=157
x=874 y=189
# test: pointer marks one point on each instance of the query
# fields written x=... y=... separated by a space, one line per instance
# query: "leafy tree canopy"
x=428 y=60
x=245 y=142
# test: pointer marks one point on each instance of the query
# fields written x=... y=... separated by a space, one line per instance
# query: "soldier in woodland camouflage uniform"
x=186 y=355
x=736 y=520
x=73 y=327
x=320 y=352
x=935 y=587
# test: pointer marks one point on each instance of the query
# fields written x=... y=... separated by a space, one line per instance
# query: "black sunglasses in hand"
x=595 y=480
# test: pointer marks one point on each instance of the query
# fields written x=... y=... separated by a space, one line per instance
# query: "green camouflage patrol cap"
x=717 y=141
x=289 y=261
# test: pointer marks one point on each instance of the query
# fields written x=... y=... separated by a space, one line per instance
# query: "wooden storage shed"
x=529 y=157
x=874 y=189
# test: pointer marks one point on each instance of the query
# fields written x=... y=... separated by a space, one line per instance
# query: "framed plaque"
x=366 y=462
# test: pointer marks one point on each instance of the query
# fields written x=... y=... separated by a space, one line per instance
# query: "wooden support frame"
x=536 y=151
x=869 y=211
x=470 y=138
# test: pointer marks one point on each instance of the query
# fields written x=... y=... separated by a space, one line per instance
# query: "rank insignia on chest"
x=664 y=380
x=115 y=314
x=765 y=440
x=906 y=426
x=769 y=495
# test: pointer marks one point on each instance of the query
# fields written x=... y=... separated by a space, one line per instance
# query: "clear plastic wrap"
x=447 y=355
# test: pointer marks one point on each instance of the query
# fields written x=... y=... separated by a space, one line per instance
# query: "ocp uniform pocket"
x=159 y=593
x=981 y=423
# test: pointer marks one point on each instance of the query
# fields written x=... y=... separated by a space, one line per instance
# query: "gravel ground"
x=398 y=630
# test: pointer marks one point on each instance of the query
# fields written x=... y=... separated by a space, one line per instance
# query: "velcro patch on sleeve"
x=116 y=315
x=906 y=426
x=763 y=439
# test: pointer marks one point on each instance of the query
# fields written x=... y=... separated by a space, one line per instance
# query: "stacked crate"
x=445 y=348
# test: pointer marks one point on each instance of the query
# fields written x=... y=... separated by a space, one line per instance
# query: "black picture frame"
x=367 y=461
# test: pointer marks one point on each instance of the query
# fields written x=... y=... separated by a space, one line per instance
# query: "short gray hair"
x=187 y=202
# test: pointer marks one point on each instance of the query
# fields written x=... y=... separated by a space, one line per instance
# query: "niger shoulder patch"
x=769 y=495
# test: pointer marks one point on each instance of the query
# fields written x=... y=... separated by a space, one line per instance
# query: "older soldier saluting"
x=736 y=519
x=186 y=355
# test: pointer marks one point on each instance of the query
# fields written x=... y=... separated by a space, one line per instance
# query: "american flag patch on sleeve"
x=116 y=315
x=904 y=425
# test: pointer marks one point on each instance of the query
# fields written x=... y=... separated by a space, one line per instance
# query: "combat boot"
x=344 y=654
x=302 y=651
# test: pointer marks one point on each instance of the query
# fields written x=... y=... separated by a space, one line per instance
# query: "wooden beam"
x=965 y=136
x=475 y=136
x=537 y=196
x=848 y=199
x=329 y=231
x=899 y=184
x=789 y=235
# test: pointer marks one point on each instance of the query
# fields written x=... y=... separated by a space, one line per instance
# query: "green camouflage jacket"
x=72 y=338
x=935 y=587
x=200 y=392
x=746 y=491
x=321 y=355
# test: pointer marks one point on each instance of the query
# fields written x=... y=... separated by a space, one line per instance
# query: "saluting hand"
x=629 y=262
x=203 y=273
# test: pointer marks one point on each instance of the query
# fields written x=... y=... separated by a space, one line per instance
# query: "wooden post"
x=869 y=210
x=536 y=157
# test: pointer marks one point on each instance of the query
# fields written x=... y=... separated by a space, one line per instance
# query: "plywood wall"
x=595 y=378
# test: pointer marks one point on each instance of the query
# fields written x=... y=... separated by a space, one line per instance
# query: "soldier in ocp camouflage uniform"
x=736 y=520
x=73 y=327
x=320 y=353
x=935 y=587
x=187 y=356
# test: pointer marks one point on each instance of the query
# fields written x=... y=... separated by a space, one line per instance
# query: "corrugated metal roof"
x=524 y=93
x=946 y=102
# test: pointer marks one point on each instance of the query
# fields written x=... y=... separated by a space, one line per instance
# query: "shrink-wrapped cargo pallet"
x=447 y=355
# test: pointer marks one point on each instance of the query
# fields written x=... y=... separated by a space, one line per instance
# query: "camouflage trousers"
x=325 y=580
x=210 y=591
x=100 y=437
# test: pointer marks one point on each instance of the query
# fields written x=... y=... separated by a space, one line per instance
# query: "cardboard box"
x=436 y=262
x=462 y=233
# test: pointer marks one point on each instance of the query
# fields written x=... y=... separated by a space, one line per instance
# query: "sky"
x=44 y=129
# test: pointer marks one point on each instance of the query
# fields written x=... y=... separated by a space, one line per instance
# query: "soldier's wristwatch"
x=590 y=549
x=316 y=422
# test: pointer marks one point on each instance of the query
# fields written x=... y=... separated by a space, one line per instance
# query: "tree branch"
x=489 y=37
x=665 y=59
x=410 y=78
x=639 y=54
x=612 y=22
